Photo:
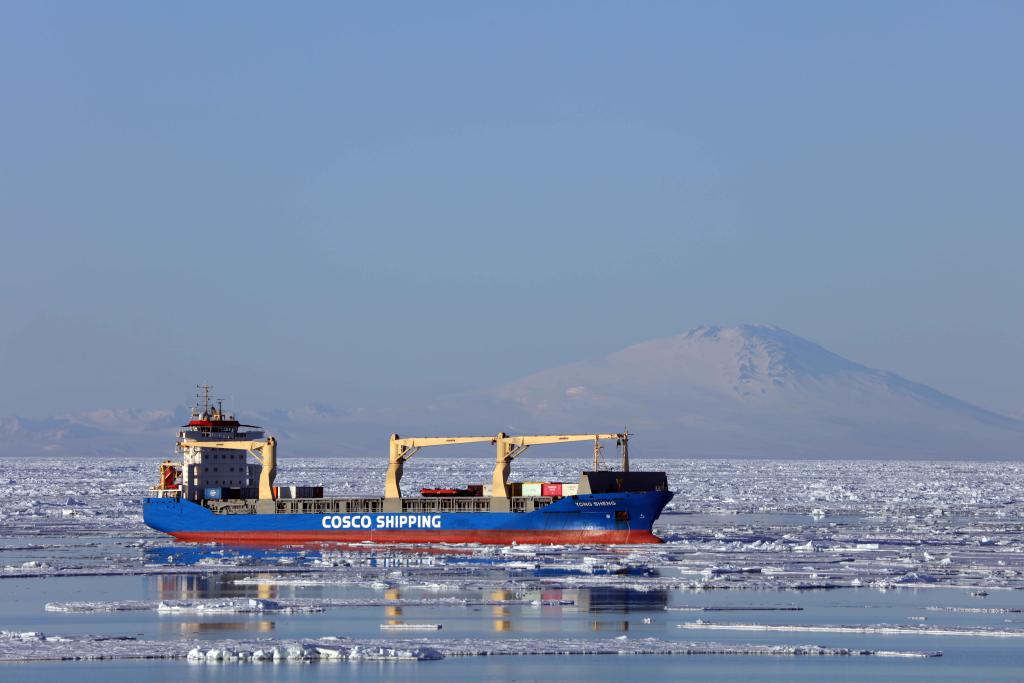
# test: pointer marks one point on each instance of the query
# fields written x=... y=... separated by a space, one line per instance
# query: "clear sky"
x=358 y=205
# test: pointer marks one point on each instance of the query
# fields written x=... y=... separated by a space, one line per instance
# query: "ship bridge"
x=215 y=466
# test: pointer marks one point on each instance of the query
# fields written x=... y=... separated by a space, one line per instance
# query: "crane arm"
x=511 y=447
x=421 y=441
x=539 y=439
x=264 y=450
x=403 y=449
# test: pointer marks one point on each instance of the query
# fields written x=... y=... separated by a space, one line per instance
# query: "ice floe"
x=35 y=646
x=888 y=629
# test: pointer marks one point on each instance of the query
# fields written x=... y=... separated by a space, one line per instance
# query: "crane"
x=511 y=447
x=264 y=450
x=403 y=449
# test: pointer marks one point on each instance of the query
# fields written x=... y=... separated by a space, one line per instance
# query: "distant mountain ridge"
x=742 y=391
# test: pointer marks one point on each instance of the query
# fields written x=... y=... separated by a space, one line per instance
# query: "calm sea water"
x=597 y=612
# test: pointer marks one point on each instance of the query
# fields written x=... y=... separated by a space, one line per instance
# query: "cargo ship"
x=213 y=493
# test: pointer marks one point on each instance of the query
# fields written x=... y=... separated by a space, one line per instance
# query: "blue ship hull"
x=602 y=518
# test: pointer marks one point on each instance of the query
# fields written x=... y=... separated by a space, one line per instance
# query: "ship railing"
x=446 y=504
x=231 y=507
x=528 y=503
x=322 y=506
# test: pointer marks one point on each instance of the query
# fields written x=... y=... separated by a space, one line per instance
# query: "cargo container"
x=570 y=489
x=553 y=490
x=293 y=492
x=238 y=492
x=532 y=489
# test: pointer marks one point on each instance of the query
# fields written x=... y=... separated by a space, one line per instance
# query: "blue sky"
x=358 y=205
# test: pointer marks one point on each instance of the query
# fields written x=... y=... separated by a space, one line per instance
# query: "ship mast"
x=203 y=393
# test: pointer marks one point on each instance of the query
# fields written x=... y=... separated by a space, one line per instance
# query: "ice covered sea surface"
x=767 y=566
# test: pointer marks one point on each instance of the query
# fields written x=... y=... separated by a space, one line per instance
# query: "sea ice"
x=35 y=646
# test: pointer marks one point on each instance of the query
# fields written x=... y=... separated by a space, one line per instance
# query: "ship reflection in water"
x=199 y=586
x=509 y=611
x=557 y=603
x=614 y=599
x=609 y=626
x=194 y=628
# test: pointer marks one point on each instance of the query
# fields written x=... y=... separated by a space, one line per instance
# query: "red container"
x=552 y=490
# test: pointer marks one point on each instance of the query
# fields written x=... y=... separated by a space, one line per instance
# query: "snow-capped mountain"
x=749 y=390
x=758 y=390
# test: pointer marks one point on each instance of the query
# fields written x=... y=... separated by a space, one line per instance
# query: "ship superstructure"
x=205 y=463
x=219 y=496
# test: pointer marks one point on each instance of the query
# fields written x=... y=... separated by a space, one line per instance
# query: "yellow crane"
x=264 y=450
x=403 y=449
x=511 y=447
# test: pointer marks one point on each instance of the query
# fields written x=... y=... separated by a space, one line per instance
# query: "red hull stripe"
x=493 y=537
